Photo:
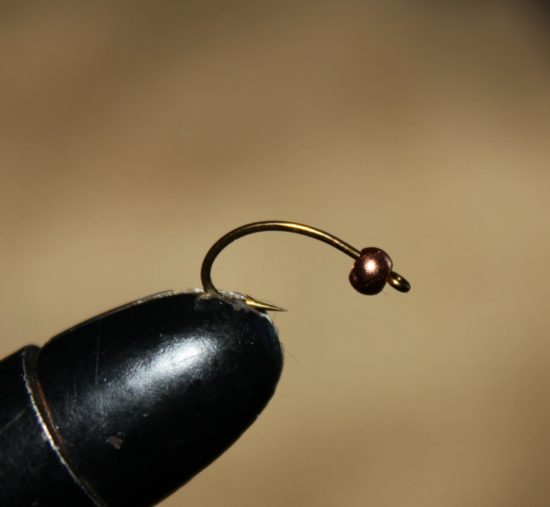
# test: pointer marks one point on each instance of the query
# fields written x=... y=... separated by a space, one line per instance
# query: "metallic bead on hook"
x=371 y=271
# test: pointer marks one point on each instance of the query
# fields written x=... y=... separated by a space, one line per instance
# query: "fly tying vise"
x=126 y=407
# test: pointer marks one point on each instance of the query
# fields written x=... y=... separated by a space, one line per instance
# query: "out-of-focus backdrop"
x=134 y=134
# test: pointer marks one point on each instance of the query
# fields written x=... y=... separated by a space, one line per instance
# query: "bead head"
x=371 y=271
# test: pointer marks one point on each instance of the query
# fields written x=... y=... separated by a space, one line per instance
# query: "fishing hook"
x=371 y=271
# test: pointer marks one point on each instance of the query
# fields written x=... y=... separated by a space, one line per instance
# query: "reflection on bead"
x=371 y=271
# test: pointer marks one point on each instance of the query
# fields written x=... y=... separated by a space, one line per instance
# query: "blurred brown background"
x=134 y=134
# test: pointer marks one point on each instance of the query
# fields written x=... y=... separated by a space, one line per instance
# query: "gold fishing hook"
x=371 y=271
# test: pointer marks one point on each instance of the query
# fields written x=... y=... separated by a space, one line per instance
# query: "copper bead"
x=371 y=271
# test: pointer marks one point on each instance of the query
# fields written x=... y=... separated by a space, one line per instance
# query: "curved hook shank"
x=269 y=225
x=396 y=281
